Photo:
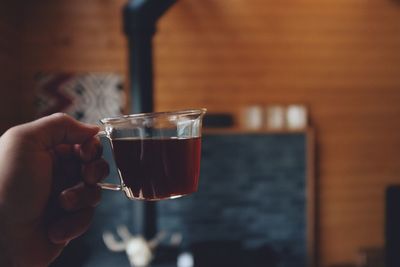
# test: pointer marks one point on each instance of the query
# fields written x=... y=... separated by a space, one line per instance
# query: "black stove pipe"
x=140 y=19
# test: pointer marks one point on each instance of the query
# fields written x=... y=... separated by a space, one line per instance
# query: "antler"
x=124 y=233
x=113 y=244
x=157 y=239
x=176 y=239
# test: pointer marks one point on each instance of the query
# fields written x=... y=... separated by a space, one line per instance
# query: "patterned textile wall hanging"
x=85 y=96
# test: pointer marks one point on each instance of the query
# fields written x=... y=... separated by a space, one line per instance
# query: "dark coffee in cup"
x=158 y=168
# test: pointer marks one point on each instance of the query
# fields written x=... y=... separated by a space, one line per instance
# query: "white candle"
x=275 y=117
x=296 y=117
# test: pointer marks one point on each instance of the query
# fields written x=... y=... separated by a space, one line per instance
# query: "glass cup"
x=157 y=154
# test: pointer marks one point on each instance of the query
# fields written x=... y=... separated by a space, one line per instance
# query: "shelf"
x=259 y=131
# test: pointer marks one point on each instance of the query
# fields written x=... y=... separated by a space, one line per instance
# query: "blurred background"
x=338 y=60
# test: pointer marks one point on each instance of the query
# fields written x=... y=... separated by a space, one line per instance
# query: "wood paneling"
x=341 y=58
x=71 y=36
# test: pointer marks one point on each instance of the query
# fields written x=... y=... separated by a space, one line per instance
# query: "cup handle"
x=102 y=133
x=108 y=186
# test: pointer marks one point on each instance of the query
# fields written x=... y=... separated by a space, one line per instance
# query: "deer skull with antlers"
x=138 y=249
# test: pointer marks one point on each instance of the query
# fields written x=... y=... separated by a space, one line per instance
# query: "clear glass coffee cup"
x=157 y=154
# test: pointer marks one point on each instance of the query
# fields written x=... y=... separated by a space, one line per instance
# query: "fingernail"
x=97 y=197
x=56 y=236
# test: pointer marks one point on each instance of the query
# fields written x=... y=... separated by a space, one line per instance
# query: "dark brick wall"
x=252 y=190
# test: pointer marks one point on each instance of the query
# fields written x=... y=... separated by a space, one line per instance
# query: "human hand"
x=49 y=169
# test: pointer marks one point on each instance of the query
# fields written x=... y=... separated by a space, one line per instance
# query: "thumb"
x=59 y=128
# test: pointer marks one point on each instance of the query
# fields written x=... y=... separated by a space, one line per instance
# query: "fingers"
x=87 y=193
x=79 y=202
x=95 y=171
x=90 y=150
x=64 y=151
x=83 y=161
x=71 y=226
x=60 y=128
x=80 y=197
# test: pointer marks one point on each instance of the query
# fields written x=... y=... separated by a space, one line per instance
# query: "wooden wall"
x=70 y=36
x=341 y=58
